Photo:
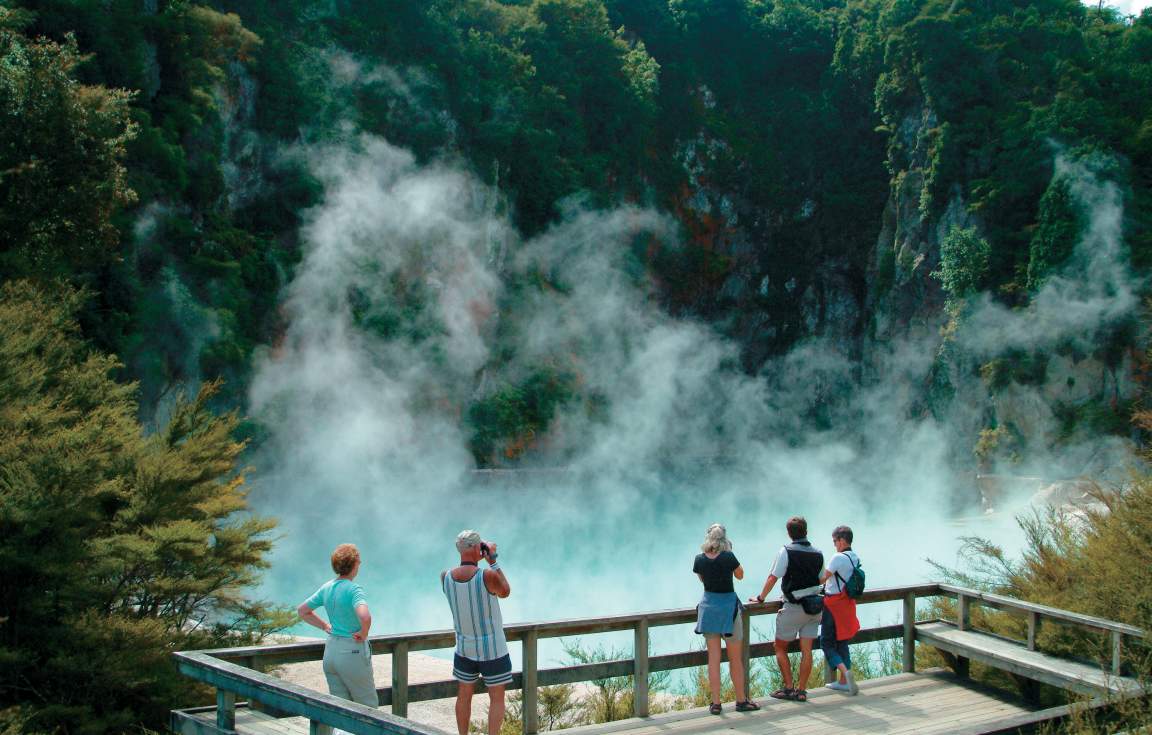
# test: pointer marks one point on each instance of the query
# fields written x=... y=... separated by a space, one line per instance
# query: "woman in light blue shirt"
x=347 y=656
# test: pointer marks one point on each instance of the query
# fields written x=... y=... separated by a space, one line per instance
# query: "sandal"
x=800 y=695
x=782 y=693
x=747 y=706
x=715 y=708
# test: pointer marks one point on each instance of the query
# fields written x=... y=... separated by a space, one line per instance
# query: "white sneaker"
x=853 y=689
x=837 y=686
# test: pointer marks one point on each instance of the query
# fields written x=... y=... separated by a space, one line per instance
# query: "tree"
x=964 y=257
x=61 y=147
x=115 y=548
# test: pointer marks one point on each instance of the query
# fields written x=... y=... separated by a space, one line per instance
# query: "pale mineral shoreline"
x=421 y=668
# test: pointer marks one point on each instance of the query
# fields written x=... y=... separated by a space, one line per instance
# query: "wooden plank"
x=285 y=653
x=295 y=699
x=909 y=631
x=400 y=679
x=920 y=704
x=640 y=669
x=530 y=667
x=225 y=710
x=1011 y=604
x=1017 y=659
x=445 y=688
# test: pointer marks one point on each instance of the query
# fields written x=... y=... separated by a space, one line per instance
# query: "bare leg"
x=713 y=667
x=786 y=665
x=805 y=662
x=464 y=707
x=495 y=709
x=736 y=669
x=843 y=673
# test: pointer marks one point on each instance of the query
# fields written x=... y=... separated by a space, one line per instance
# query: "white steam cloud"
x=394 y=319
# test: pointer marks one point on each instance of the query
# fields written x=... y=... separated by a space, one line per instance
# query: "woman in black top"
x=718 y=614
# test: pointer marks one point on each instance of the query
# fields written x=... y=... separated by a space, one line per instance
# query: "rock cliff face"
x=1000 y=405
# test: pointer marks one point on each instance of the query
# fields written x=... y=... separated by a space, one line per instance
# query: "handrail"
x=231 y=670
x=292 y=699
x=285 y=653
x=1011 y=604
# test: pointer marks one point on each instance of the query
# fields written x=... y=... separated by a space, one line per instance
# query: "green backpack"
x=855 y=584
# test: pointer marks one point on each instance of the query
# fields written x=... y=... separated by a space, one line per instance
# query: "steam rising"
x=393 y=320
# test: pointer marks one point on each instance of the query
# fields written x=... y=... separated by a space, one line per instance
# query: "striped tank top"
x=476 y=615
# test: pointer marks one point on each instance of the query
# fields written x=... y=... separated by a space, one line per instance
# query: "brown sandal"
x=800 y=695
x=715 y=708
x=747 y=706
x=782 y=693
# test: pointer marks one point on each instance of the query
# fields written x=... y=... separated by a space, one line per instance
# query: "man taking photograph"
x=481 y=649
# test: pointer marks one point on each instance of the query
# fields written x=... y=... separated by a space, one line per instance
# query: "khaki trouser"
x=348 y=669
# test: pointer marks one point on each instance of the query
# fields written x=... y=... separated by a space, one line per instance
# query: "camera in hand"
x=484 y=551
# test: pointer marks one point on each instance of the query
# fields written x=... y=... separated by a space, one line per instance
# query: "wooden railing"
x=1036 y=614
x=236 y=672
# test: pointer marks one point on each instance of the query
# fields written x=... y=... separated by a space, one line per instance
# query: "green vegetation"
x=115 y=548
x=1097 y=561
x=795 y=119
x=964 y=257
x=141 y=160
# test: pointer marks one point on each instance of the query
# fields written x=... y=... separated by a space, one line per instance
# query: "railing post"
x=640 y=668
x=909 y=633
x=1117 y=651
x=963 y=614
x=530 y=710
x=318 y=728
x=400 y=679
x=225 y=710
x=746 y=653
x=1033 y=627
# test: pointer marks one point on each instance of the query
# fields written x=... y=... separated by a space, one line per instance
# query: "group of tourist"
x=816 y=601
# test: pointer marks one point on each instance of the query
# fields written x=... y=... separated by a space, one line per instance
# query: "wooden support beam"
x=1033 y=628
x=318 y=728
x=225 y=710
x=1117 y=652
x=400 y=680
x=963 y=611
x=746 y=653
x=962 y=667
x=640 y=669
x=531 y=703
x=909 y=662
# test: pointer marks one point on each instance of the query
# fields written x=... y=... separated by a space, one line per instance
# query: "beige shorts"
x=792 y=623
x=737 y=630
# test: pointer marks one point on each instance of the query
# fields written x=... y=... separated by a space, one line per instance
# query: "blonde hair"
x=344 y=559
x=716 y=540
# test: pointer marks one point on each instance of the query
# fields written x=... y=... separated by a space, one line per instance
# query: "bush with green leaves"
x=116 y=548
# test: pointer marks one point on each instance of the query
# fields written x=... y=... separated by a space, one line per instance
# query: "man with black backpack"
x=843 y=583
x=798 y=567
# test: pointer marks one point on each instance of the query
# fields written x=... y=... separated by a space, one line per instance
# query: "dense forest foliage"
x=152 y=174
x=149 y=209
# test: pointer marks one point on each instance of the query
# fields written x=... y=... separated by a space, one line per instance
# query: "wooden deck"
x=931 y=702
x=1075 y=676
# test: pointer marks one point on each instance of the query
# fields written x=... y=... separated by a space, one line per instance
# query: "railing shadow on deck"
x=236 y=672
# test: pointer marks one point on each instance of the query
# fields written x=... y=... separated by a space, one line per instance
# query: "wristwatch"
x=492 y=558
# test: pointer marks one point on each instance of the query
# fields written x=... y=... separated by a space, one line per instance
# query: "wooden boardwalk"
x=931 y=702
